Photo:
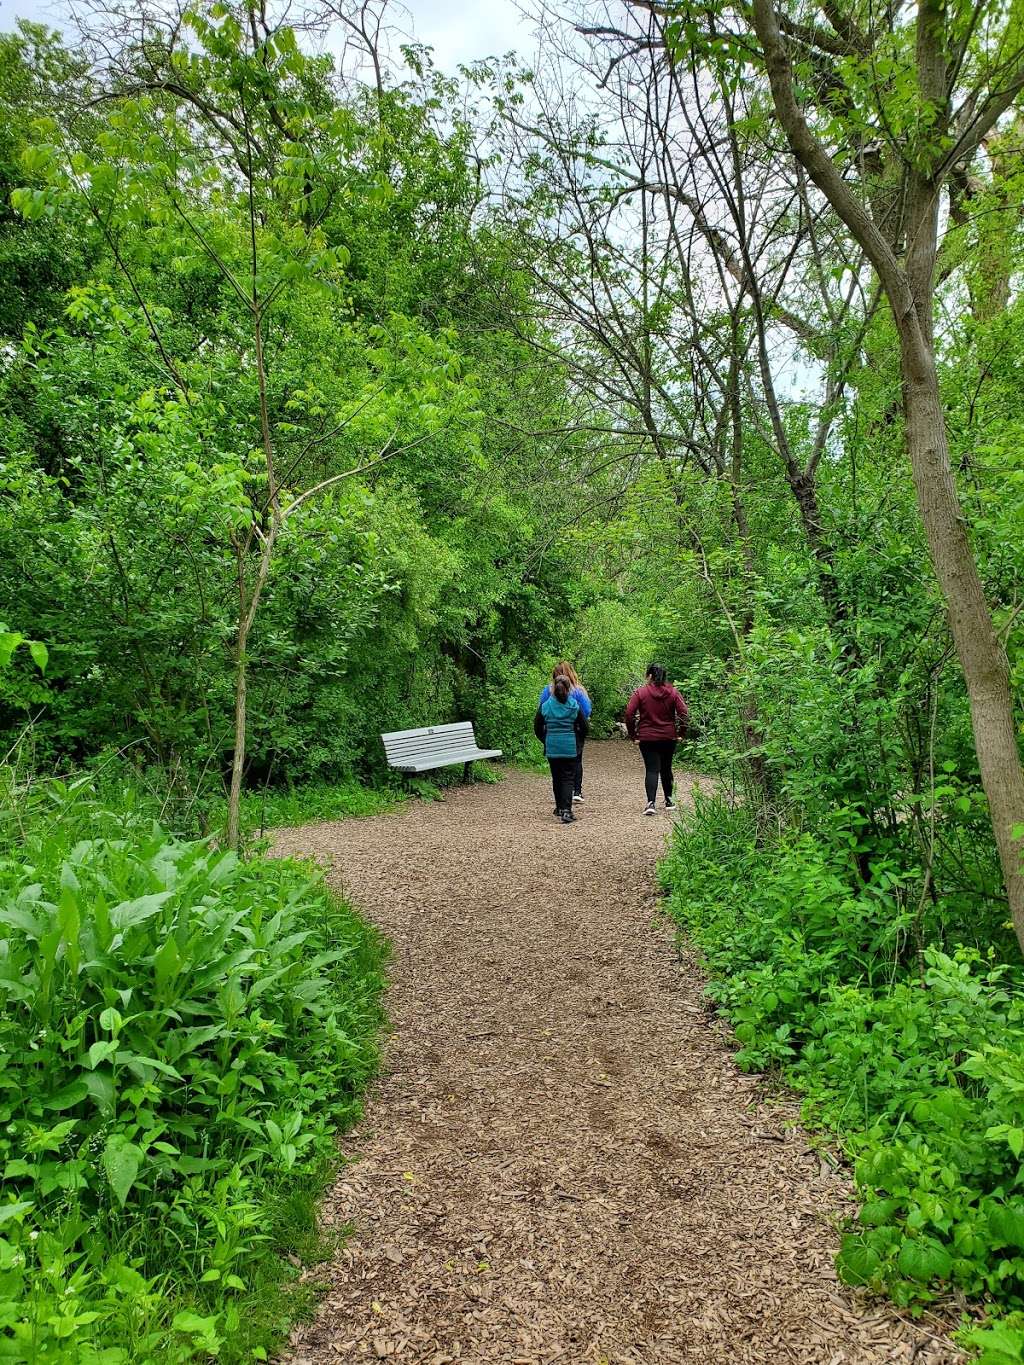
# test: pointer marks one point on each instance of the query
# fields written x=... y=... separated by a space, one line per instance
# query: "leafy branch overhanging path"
x=561 y=1162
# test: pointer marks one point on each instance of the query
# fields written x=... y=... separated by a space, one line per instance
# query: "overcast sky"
x=463 y=30
x=457 y=30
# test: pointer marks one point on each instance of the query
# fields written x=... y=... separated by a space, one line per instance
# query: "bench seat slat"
x=450 y=756
x=435 y=755
x=426 y=765
x=430 y=748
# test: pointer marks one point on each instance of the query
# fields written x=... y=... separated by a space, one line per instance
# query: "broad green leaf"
x=1006 y=1224
x=138 y=1064
x=67 y=1097
x=9 y=642
x=15 y=1210
x=877 y=1212
x=19 y=917
x=129 y=914
x=999 y=1344
x=101 y=1088
x=924 y=1259
x=101 y=1051
x=121 y=1161
x=857 y=1264
x=166 y=962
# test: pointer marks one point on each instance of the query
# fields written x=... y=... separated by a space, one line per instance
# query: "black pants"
x=562 y=773
x=657 y=755
x=577 y=777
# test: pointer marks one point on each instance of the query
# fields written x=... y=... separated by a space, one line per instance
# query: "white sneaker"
x=577 y=798
x=649 y=808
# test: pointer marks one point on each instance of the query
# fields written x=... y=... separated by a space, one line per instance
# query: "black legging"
x=657 y=755
x=562 y=771
x=577 y=777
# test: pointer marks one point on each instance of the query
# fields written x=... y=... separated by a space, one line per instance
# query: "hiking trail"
x=560 y=1161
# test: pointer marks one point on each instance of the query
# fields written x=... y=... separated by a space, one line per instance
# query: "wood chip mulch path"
x=560 y=1162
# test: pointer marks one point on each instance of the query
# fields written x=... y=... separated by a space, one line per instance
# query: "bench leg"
x=467 y=772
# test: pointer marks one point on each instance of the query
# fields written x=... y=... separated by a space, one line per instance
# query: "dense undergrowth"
x=906 y=1044
x=182 y=1036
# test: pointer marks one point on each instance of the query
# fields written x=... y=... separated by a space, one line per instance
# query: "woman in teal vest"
x=561 y=725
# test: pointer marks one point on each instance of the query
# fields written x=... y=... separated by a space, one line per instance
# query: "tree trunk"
x=238 y=758
x=803 y=486
x=247 y=604
x=750 y=717
x=981 y=654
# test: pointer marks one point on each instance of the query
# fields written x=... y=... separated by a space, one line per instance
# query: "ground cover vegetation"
x=183 y=1034
x=339 y=395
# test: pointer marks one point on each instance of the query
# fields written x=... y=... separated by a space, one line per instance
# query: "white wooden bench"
x=436 y=746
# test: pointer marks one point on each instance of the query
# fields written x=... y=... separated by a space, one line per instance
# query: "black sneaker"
x=577 y=796
x=557 y=811
x=568 y=818
x=669 y=803
x=649 y=808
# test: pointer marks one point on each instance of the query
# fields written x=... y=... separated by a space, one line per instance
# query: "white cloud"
x=463 y=31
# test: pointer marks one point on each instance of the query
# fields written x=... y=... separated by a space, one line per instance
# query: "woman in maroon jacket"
x=656 y=718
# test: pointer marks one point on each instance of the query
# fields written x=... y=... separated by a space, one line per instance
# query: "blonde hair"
x=566 y=670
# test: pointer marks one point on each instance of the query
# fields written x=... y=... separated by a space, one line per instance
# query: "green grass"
x=351 y=799
x=278 y=1298
x=275 y=809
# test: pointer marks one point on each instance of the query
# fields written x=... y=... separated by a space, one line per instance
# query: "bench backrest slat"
x=464 y=727
x=430 y=742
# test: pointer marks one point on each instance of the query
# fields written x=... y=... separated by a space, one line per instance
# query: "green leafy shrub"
x=1002 y=1343
x=505 y=709
x=911 y=1055
x=610 y=647
x=181 y=1035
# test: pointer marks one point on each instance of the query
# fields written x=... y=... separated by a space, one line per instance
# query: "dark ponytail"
x=561 y=688
x=657 y=674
